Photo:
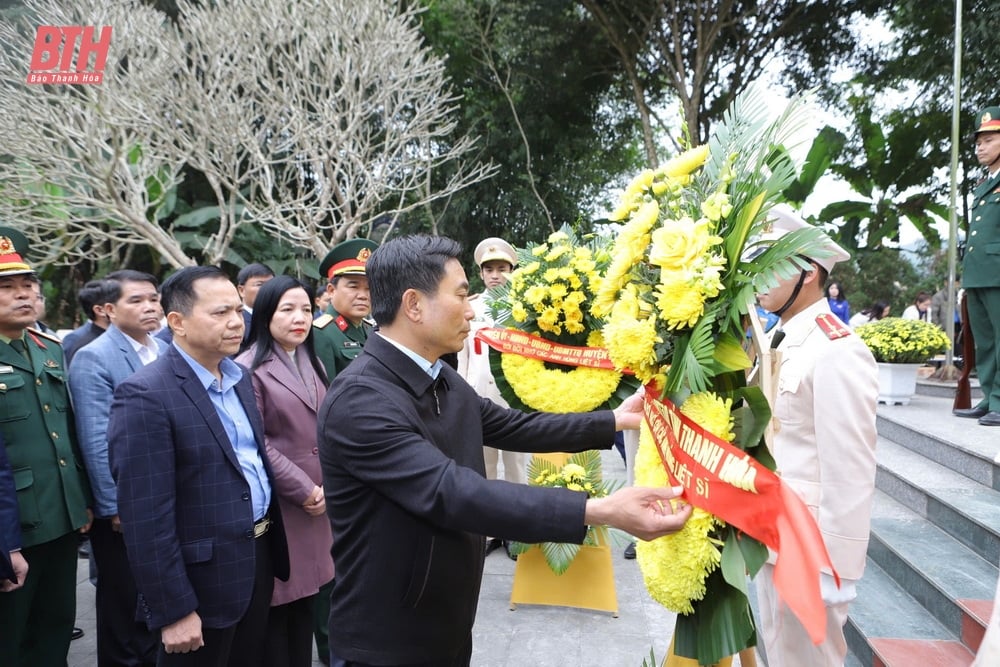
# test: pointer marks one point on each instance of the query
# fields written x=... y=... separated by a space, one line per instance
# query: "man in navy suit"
x=13 y=567
x=186 y=445
x=132 y=303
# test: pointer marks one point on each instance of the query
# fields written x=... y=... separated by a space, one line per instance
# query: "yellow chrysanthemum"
x=535 y=295
x=680 y=303
x=539 y=250
x=556 y=253
x=547 y=320
x=676 y=566
x=580 y=389
x=712 y=412
x=550 y=275
x=631 y=344
x=558 y=290
x=528 y=269
x=518 y=312
x=558 y=237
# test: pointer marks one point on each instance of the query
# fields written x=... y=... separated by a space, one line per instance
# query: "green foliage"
x=887 y=169
x=558 y=73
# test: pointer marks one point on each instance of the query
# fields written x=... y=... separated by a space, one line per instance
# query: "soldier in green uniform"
x=341 y=332
x=981 y=269
x=53 y=495
x=338 y=337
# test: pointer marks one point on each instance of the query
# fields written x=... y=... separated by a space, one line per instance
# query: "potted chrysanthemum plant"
x=901 y=347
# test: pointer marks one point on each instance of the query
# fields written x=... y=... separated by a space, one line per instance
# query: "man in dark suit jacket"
x=92 y=298
x=204 y=538
x=248 y=282
x=13 y=567
x=401 y=438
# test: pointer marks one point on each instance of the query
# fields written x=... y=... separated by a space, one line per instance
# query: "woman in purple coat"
x=289 y=384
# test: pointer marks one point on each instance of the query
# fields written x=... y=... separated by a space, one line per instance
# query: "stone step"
x=927 y=427
x=933 y=567
x=939 y=389
x=885 y=621
x=964 y=509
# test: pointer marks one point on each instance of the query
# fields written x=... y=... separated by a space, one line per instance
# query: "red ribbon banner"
x=726 y=481
x=527 y=345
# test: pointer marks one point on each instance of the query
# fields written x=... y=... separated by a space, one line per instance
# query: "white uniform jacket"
x=825 y=444
x=475 y=368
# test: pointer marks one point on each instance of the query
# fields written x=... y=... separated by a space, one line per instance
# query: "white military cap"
x=493 y=249
x=784 y=220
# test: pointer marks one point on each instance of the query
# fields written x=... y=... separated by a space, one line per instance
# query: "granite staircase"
x=928 y=589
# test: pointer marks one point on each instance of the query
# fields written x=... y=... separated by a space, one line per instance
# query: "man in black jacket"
x=401 y=437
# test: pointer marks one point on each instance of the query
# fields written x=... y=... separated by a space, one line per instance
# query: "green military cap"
x=988 y=120
x=347 y=258
x=13 y=248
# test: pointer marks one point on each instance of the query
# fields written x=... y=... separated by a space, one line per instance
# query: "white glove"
x=833 y=595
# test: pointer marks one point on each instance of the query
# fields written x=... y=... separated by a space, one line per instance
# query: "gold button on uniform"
x=62 y=462
x=3 y=386
x=46 y=408
x=39 y=382
x=55 y=436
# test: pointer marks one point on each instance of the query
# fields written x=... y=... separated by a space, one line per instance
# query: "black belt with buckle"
x=261 y=527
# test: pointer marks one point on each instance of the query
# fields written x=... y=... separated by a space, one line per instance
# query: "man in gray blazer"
x=132 y=302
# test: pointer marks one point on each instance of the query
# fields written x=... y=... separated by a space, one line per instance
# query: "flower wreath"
x=547 y=297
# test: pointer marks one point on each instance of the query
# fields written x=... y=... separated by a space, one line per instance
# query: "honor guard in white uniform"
x=496 y=259
x=824 y=447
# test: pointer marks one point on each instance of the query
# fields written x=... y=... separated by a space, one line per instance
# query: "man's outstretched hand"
x=641 y=511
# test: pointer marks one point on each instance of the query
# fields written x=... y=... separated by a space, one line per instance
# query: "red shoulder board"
x=832 y=326
x=341 y=323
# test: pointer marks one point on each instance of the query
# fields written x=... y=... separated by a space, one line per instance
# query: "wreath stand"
x=588 y=583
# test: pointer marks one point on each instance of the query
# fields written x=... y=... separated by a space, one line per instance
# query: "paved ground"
x=541 y=636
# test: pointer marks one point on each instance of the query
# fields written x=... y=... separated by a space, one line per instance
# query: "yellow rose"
x=679 y=243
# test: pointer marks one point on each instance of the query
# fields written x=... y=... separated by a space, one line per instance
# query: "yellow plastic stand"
x=748 y=658
x=588 y=583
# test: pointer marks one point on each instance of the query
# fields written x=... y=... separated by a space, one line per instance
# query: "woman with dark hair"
x=289 y=383
x=874 y=312
x=920 y=309
x=837 y=298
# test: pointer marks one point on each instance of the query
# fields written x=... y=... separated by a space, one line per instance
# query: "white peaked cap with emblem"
x=784 y=220
x=493 y=249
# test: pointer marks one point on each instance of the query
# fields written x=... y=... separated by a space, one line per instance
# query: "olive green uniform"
x=52 y=494
x=981 y=280
x=337 y=341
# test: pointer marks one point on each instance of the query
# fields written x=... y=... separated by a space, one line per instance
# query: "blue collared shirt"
x=237 y=424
